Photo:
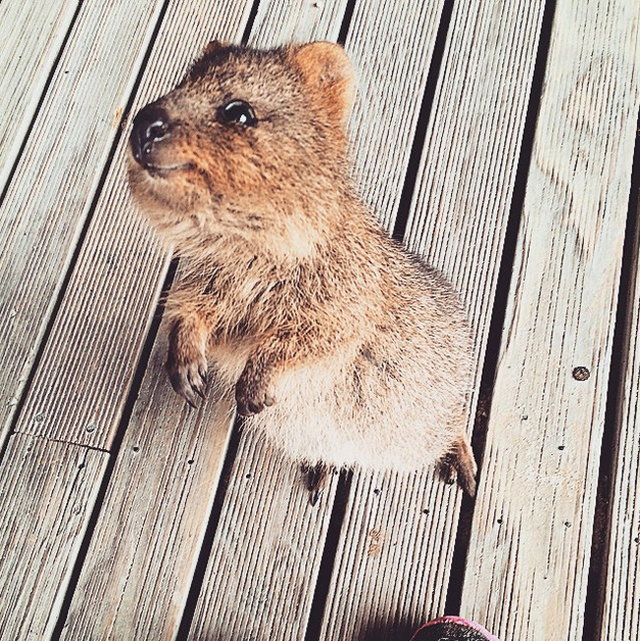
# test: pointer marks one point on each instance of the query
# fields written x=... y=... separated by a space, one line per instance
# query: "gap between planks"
x=528 y=557
x=615 y=591
x=56 y=178
x=477 y=93
x=33 y=34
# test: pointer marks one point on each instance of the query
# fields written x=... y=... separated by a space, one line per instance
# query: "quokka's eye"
x=237 y=111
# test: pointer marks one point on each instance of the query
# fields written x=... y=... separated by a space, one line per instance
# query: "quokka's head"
x=250 y=141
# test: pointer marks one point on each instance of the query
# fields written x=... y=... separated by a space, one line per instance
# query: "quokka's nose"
x=151 y=125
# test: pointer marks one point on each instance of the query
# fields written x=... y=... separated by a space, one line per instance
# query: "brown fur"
x=342 y=347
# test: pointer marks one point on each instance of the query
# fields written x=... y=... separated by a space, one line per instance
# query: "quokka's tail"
x=459 y=463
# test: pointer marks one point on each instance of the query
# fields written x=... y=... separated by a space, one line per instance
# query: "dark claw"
x=316 y=481
x=187 y=392
x=199 y=390
x=250 y=402
x=187 y=381
x=197 y=385
x=255 y=408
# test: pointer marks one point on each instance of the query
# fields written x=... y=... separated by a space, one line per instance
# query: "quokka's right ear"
x=326 y=69
x=214 y=53
x=212 y=47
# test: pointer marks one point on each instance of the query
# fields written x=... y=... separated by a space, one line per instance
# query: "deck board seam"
x=4 y=188
x=612 y=438
x=50 y=439
x=409 y=183
x=491 y=354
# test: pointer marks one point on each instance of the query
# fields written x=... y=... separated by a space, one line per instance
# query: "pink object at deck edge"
x=452 y=619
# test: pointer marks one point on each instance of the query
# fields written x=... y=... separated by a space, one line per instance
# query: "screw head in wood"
x=581 y=373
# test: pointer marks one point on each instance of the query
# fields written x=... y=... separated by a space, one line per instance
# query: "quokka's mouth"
x=163 y=171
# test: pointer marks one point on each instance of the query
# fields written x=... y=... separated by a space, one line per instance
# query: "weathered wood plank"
x=87 y=366
x=58 y=173
x=620 y=589
x=290 y=537
x=165 y=477
x=31 y=33
x=390 y=527
x=529 y=552
x=140 y=562
x=279 y=23
x=390 y=44
x=457 y=221
x=47 y=493
x=262 y=571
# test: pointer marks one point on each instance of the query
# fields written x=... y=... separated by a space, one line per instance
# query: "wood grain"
x=391 y=563
x=263 y=568
x=87 y=366
x=620 y=589
x=279 y=23
x=479 y=105
x=58 y=173
x=140 y=562
x=89 y=362
x=31 y=33
x=532 y=528
x=47 y=493
x=390 y=44
x=290 y=542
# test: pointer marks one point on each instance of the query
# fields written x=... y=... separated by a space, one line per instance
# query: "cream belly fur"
x=351 y=410
x=318 y=425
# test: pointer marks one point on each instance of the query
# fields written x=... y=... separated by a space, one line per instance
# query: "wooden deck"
x=497 y=138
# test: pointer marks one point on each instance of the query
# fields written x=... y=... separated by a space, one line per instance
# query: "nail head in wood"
x=581 y=373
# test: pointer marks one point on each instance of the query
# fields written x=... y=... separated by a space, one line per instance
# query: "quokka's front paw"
x=252 y=395
x=188 y=376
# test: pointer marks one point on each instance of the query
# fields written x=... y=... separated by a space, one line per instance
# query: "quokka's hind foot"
x=459 y=464
x=316 y=480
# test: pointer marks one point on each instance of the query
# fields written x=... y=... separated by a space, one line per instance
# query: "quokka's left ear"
x=327 y=70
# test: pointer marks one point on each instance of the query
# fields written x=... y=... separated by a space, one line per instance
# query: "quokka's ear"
x=212 y=47
x=214 y=53
x=327 y=70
